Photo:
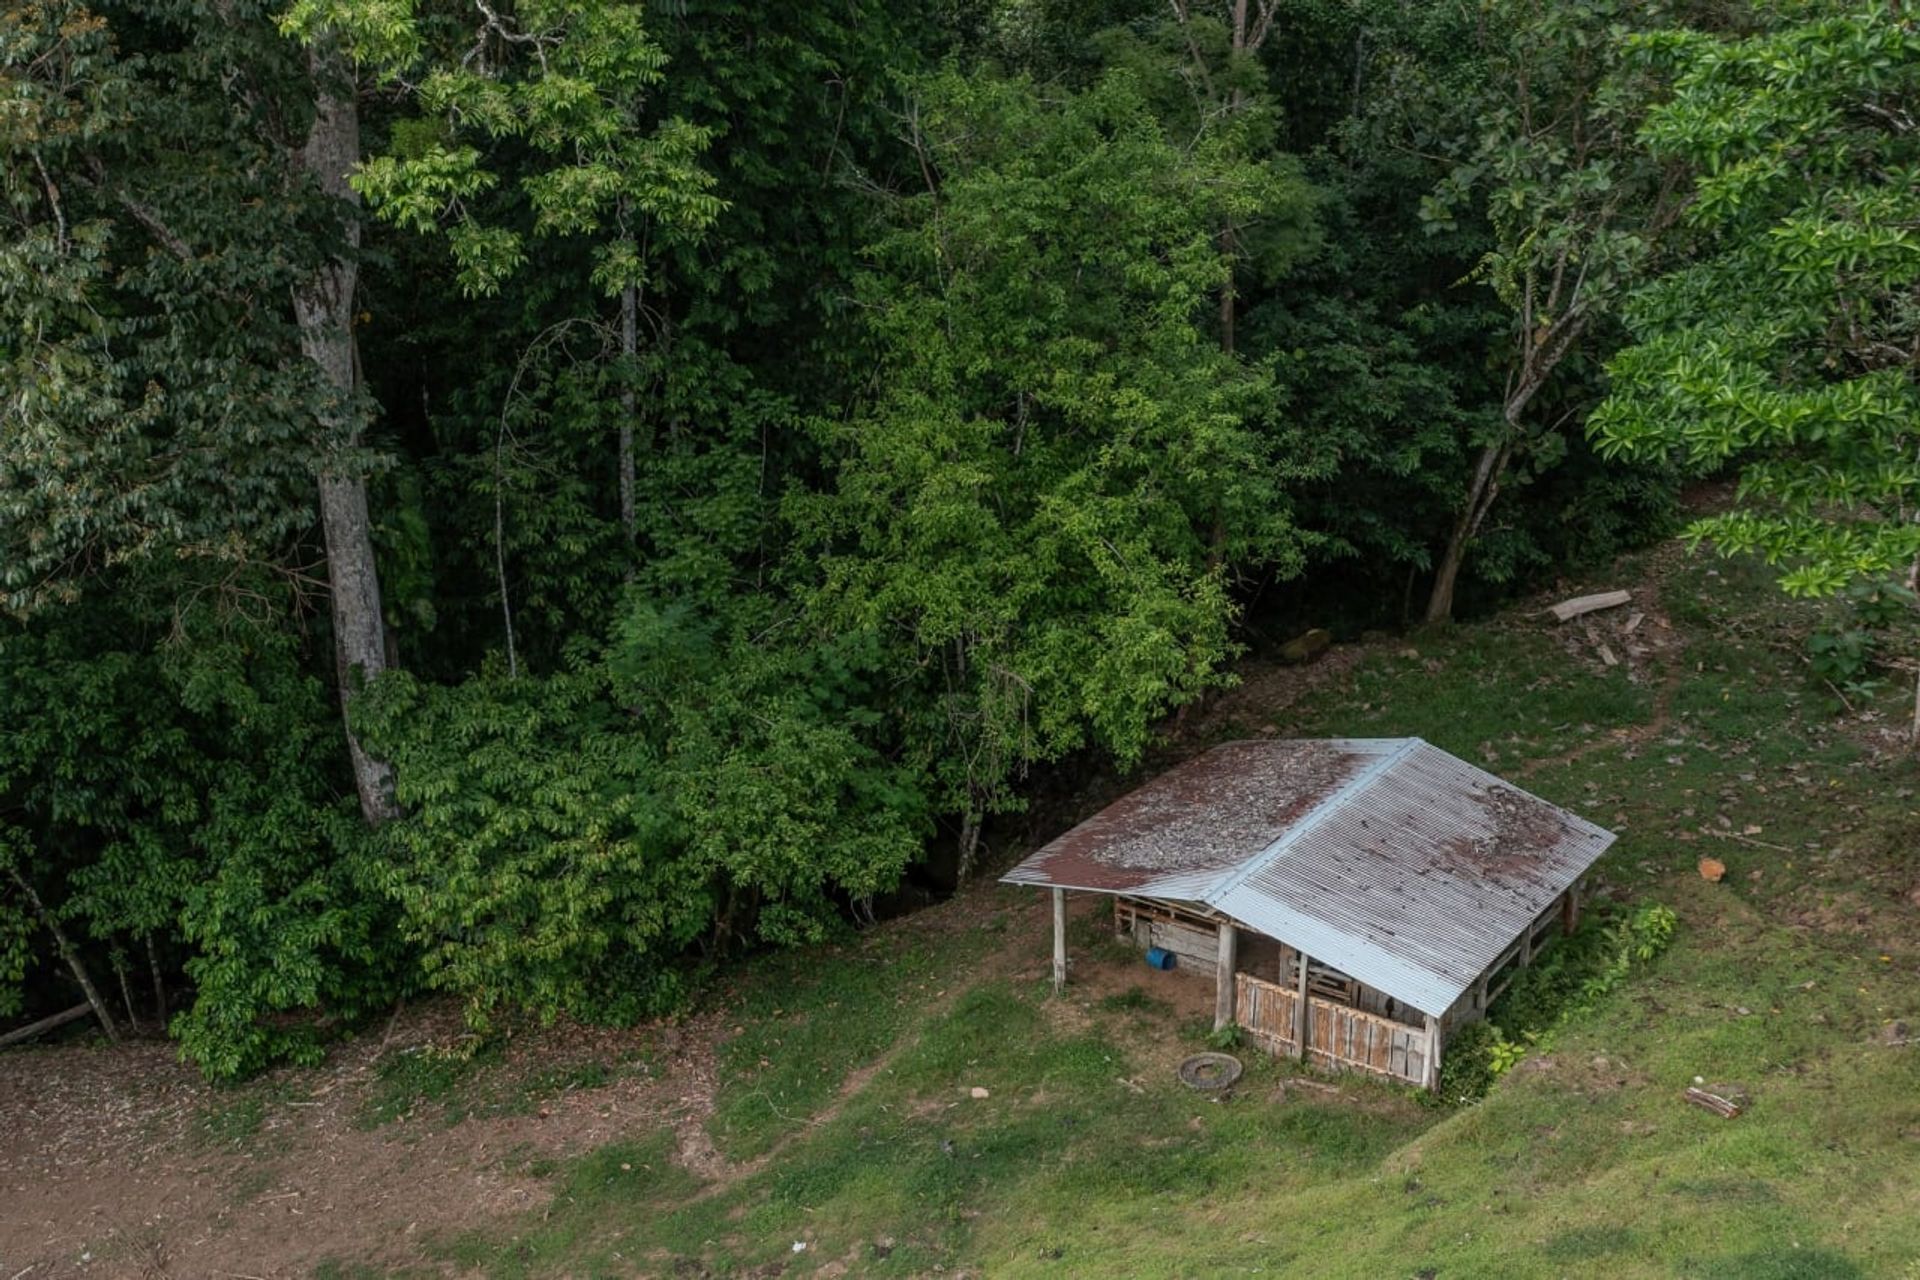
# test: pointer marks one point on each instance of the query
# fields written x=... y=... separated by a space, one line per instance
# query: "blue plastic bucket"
x=1160 y=957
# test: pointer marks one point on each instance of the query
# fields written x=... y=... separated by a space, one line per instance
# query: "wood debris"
x=46 y=1024
x=1569 y=609
x=1726 y=1104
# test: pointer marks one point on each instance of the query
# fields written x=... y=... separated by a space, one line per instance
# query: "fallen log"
x=46 y=1024
x=1568 y=609
x=1726 y=1106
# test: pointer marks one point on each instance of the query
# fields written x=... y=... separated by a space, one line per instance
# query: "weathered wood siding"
x=1195 y=940
x=1197 y=948
x=1338 y=1037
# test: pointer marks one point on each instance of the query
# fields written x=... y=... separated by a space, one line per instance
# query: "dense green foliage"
x=1559 y=986
x=751 y=440
x=1791 y=343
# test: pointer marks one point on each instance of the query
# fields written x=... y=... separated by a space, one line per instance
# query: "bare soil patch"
x=123 y=1161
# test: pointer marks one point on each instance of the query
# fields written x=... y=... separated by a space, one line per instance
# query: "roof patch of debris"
x=1211 y=813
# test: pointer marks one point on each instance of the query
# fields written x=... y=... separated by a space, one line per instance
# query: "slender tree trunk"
x=970 y=824
x=1228 y=248
x=126 y=993
x=159 y=984
x=1481 y=492
x=323 y=306
x=68 y=953
x=1913 y=728
x=1538 y=358
x=629 y=351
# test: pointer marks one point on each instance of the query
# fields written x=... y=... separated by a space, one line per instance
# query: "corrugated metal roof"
x=1389 y=859
x=1181 y=833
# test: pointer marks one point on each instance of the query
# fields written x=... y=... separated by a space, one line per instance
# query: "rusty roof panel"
x=1404 y=867
x=1186 y=830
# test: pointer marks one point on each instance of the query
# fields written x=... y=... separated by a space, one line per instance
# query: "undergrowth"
x=1561 y=984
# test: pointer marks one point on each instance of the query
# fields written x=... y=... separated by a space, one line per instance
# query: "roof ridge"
x=1313 y=817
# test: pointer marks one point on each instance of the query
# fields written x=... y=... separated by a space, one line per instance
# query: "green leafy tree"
x=152 y=419
x=568 y=82
x=1035 y=507
x=1576 y=206
x=1791 y=347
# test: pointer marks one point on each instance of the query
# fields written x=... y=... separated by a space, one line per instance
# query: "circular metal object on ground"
x=1210 y=1072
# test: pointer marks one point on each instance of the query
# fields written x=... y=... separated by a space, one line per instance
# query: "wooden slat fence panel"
x=1265 y=1011
x=1338 y=1037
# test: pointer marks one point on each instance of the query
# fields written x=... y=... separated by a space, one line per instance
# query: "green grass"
x=851 y=1071
x=808 y=1018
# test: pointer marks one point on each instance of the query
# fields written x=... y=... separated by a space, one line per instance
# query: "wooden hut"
x=1377 y=892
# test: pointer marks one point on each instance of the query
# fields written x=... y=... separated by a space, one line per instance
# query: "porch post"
x=1432 y=1080
x=1570 y=909
x=1059 y=940
x=1223 y=980
x=1301 y=1030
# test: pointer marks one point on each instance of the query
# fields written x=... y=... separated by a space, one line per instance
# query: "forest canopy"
x=528 y=500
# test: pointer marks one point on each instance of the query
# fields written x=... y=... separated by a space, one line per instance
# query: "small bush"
x=1564 y=983
x=1466 y=1068
x=1227 y=1037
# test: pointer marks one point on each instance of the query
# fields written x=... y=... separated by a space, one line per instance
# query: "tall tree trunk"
x=1217 y=535
x=1540 y=354
x=126 y=993
x=1481 y=492
x=72 y=956
x=323 y=307
x=159 y=985
x=629 y=351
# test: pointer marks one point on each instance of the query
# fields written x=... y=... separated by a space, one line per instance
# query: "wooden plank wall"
x=1197 y=948
x=1339 y=1038
x=1195 y=940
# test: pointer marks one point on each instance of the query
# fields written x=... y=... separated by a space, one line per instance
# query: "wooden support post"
x=1223 y=975
x=1301 y=1030
x=1480 y=994
x=1570 y=910
x=1526 y=946
x=1059 y=940
x=1432 y=1080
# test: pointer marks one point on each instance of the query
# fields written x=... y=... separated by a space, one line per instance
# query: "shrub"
x=1565 y=982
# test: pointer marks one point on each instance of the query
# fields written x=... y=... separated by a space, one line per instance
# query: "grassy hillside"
x=844 y=1122
x=824 y=1098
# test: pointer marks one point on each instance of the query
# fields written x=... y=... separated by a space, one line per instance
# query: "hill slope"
x=820 y=1119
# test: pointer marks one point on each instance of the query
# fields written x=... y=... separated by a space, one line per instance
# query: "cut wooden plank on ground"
x=1726 y=1104
x=1579 y=605
x=46 y=1024
x=1633 y=624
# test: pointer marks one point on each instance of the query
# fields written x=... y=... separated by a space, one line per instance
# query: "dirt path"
x=123 y=1162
